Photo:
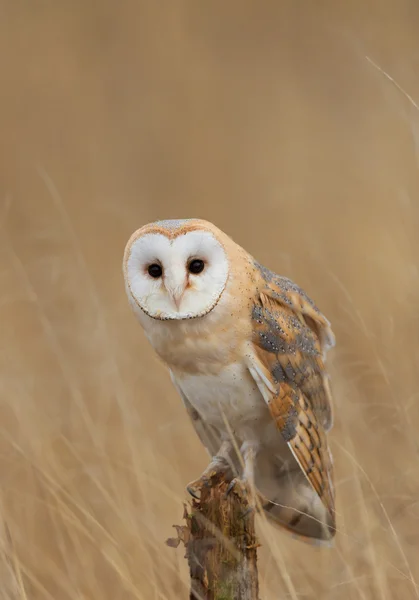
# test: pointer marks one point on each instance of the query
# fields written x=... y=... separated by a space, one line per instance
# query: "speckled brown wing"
x=299 y=427
x=306 y=330
x=286 y=361
x=287 y=293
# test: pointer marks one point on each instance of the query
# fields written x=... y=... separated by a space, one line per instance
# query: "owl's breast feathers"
x=204 y=347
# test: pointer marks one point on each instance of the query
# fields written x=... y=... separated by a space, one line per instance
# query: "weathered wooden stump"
x=221 y=544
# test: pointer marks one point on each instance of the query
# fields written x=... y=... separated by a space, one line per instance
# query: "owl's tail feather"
x=290 y=502
x=302 y=525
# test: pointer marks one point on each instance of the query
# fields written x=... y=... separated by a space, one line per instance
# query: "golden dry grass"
x=294 y=126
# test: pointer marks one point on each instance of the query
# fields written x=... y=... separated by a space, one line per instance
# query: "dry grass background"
x=269 y=119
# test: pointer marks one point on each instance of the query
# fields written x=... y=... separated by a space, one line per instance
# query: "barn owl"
x=246 y=351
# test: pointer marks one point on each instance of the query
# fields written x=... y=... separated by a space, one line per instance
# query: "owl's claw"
x=218 y=465
x=194 y=487
x=193 y=491
x=240 y=486
x=243 y=489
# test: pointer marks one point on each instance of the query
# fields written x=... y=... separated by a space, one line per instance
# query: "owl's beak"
x=175 y=287
x=177 y=297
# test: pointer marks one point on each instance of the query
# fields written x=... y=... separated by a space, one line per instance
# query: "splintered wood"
x=221 y=545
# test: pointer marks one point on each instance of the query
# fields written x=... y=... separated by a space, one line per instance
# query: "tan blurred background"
x=269 y=119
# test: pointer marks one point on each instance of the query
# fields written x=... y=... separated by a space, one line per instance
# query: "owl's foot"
x=244 y=490
x=244 y=487
x=218 y=466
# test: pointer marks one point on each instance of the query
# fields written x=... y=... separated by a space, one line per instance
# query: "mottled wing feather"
x=287 y=364
x=310 y=448
x=288 y=294
x=305 y=329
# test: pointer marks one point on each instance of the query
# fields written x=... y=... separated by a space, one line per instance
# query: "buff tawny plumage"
x=246 y=351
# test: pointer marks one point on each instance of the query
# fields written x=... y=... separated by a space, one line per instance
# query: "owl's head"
x=176 y=269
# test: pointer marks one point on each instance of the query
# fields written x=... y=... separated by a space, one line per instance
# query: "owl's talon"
x=218 y=465
x=195 y=493
x=194 y=487
x=230 y=487
x=239 y=485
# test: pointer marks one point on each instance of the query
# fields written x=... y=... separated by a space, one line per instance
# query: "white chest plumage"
x=231 y=396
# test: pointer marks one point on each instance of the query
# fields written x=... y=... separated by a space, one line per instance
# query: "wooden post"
x=221 y=545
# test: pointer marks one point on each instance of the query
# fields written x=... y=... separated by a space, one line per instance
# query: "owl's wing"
x=283 y=297
x=286 y=361
x=209 y=436
x=287 y=293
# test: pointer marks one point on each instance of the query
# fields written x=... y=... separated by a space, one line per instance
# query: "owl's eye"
x=155 y=270
x=196 y=266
